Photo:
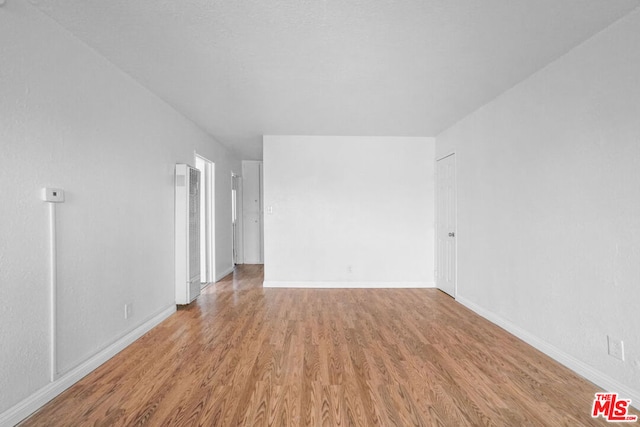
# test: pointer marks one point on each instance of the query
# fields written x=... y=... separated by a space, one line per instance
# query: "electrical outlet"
x=616 y=348
x=128 y=310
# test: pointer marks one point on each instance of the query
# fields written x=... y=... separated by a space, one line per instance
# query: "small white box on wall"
x=53 y=195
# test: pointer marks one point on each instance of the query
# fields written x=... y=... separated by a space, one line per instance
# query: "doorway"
x=207 y=220
x=446 y=225
x=235 y=218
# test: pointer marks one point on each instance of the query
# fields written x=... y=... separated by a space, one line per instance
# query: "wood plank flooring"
x=242 y=355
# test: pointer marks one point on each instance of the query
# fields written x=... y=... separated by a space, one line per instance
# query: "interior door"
x=252 y=212
x=446 y=224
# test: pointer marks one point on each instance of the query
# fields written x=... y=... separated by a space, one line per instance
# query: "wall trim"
x=595 y=376
x=225 y=273
x=28 y=406
x=347 y=285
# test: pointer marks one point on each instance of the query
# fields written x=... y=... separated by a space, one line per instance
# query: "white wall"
x=549 y=207
x=70 y=119
x=349 y=211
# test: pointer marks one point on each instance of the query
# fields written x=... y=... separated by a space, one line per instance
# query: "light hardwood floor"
x=242 y=355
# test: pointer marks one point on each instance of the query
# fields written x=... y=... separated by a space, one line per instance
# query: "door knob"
x=452 y=234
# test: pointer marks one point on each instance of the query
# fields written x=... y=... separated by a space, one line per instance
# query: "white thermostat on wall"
x=54 y=195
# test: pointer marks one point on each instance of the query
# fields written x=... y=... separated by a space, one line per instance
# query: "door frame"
x=455 y=219
x=209 y=244
x=236 y=184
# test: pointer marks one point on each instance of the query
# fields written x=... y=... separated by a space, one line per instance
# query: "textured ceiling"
x=244 y=68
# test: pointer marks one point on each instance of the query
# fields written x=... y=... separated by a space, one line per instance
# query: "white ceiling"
x=244 y=68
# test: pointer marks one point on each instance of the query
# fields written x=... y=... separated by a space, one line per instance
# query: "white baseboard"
x=347 y=285
x=595 y=376
x=225 y=273
x=26 y=407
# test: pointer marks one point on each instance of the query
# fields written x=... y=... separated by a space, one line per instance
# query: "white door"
x=252 y=211
x=446 y=224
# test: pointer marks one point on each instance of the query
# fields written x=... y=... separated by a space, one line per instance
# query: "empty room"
x=319 y=212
